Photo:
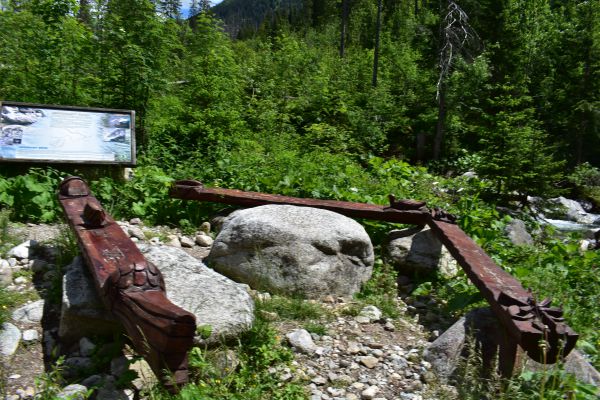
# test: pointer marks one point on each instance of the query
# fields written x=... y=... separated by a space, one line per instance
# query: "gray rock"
x=186 y=241
x=145 y=376
x=416 y=251
x=225 y=362
x=576 y=364
x=571 y=210
x=24 y=250
x=82 y=312
x=30 y=335
x=445 y=352
x=38 y=265
x=136 y=232
x=109 y=391
x=77 y=365
x=369 y=361
x=517 y=233
x=294 y=250
x=372 y=313
x=214 y=299
x=204 y=240
x=5 y=273
x=205 y=227
x=135 y=221
x=29 y=313
x=301 y=340
x=86 y=347
x=10 y=336
x=118 y=366
x=72 y=392
x=370 y=392
x=173 y=241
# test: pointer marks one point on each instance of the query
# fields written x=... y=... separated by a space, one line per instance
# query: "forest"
x=333 y=99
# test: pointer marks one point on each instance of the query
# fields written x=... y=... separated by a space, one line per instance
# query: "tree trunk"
x=440 y=127
x=343 y=27
x=377 y=35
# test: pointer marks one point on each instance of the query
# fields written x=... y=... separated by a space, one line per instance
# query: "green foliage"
x=31 y=197
x=293 y=308
x=382 y=290
x=259 y=352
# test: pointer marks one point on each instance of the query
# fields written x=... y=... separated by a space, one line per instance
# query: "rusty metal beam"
x=538 y=328
x=131 y=288
x=412 y=213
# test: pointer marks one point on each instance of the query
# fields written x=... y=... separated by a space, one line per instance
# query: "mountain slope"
x=244 y=15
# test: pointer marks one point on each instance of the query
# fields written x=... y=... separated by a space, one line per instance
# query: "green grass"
x=293 y=308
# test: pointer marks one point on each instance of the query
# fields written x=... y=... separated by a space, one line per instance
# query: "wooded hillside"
x=509 y=89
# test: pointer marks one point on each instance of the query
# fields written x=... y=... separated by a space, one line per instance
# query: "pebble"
x=369 y=361
x=370 y=392
x=30 y=335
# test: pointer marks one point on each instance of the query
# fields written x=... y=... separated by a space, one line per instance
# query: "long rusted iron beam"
x=132 y=288
x=405 y=213
x=538 y=328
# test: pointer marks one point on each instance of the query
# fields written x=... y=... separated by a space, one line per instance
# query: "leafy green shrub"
x=31 y=197
x=586 y=180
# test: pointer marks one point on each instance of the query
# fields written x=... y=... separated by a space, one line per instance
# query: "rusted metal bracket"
x=132 y=288
x=538 y=328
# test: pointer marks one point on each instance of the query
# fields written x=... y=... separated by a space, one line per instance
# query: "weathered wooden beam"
x=132 y=288
x=538 y=328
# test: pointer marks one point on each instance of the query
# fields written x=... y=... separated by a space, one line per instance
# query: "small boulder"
x=571 y=210
x=417 y=251
x=136 y=232
x=294 y=250
x=10 y=336
x=73 y=392
x=24 y=250
x=5 y=273
x=446 y=352
x=186 y=241
x=29 y=313
x=301 y=340
x=204 y=240
x=517 y=233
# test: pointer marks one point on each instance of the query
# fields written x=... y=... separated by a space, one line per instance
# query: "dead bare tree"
x=457 y=38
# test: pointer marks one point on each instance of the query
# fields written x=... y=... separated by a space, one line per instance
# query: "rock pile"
x=362 y=358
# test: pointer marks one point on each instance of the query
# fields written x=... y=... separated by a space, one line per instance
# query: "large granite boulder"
x=216 y=301
x=222 y=306
x=418 y=252
x=294 y=250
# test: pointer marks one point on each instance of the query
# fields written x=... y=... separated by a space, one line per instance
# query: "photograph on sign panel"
x=38 y=133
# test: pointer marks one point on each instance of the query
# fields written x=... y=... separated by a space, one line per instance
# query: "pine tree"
x=170 y=8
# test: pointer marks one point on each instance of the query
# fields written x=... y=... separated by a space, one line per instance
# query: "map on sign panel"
x=73 y=135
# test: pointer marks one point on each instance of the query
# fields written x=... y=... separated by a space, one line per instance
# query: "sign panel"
x=60 y=134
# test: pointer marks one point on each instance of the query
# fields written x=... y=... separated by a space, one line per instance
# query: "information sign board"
x=61 y=134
